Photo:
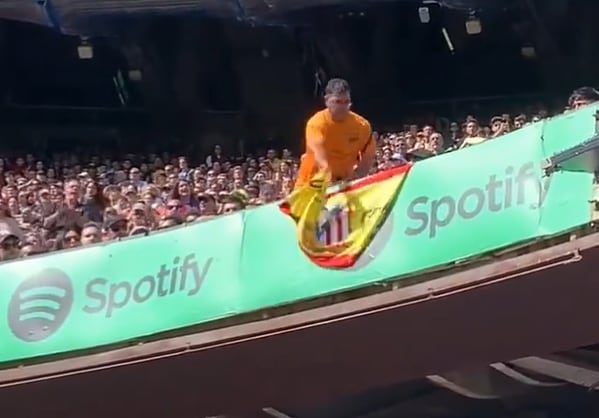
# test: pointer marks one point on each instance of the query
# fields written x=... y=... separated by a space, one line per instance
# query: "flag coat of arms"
x=335 y=228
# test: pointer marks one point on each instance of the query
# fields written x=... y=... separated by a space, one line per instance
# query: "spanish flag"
x=335 y=228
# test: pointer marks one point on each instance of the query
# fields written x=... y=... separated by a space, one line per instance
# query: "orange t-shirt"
x=344 y=143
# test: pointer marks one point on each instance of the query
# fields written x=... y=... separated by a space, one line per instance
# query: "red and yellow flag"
x=334 y=229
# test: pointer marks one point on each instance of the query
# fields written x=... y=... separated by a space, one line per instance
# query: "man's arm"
x=366 y=158
x=315 y=142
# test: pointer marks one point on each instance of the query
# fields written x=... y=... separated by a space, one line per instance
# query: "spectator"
x=94 y=202
x=115 y=227
x=472 y=133
x=183 y=193
x=519 y=121
x=68 y=238
x=215 y=157
x=583 y=96
x=91 y=234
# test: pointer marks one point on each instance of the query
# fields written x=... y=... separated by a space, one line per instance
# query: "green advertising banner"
x=450 y=207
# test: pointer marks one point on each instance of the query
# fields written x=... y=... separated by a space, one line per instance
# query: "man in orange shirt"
x=338 y=141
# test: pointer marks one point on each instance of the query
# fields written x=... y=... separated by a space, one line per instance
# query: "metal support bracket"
x=582 y=158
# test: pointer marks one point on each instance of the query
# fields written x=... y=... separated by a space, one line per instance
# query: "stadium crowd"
x=66 y=201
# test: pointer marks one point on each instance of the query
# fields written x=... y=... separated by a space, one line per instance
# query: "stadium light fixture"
x=528 y=51
x=135 y=75
x=473 y=25
x=85 y=50
x=424 y=14
x=448 y=41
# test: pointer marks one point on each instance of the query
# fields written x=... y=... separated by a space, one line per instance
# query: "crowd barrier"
x=449 y=208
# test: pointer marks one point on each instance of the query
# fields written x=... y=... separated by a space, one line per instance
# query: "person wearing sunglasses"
x=338 y=141
x=115 y=227
x=174 y=208
x=68 y=238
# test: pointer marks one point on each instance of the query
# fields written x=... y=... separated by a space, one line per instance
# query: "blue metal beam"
x=241 y=15
x=50 y=13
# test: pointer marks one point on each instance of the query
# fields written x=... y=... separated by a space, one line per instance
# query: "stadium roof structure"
x=73 y=16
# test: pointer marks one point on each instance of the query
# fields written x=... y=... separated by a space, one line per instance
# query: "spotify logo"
x=40 y=305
